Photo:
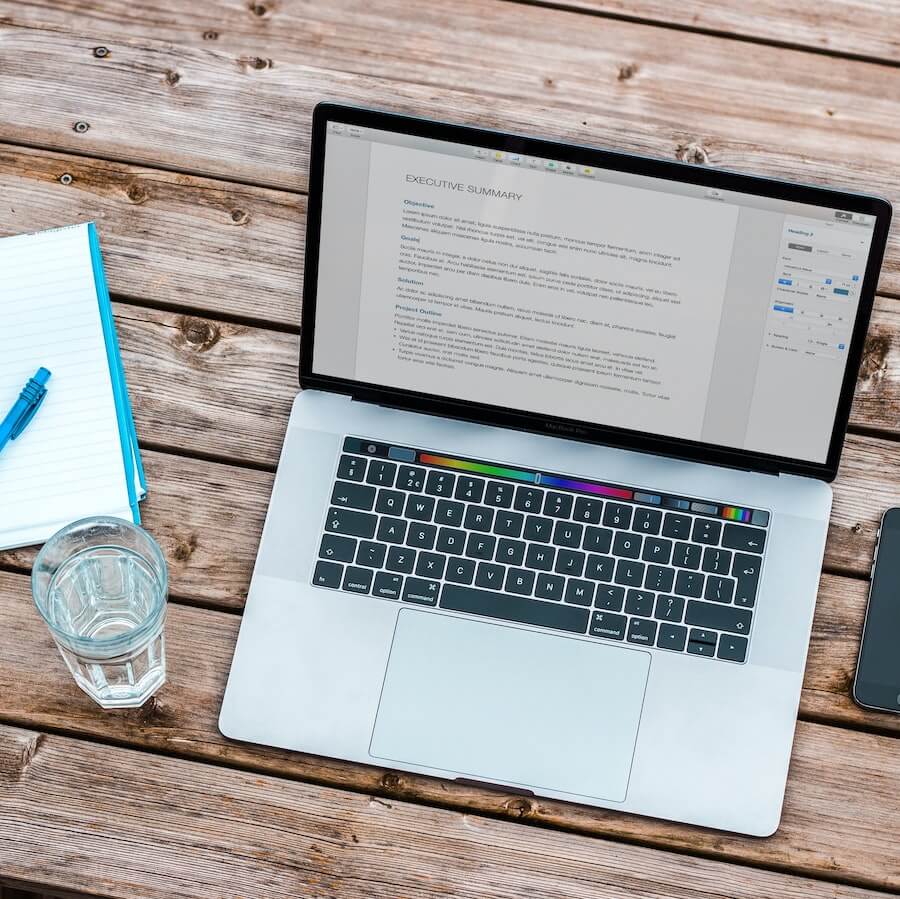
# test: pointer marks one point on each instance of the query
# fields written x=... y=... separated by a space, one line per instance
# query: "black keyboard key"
x=430 y=565
x=351 y=523
x=401 y=559
x=581 y=593
x=449 y=512
x=672 y=637
x=420 y=508
x=751 y=540
x=558 y=505
x=508 y=524
x=337 y=549
x=569 y=561
x=609 y=597
x=370 y=554
x=450 y=540
x=392 y=530
x=716 y=561
x=567 y=533
x=598 y=540
x=381 y=473
x=717 y=617
x=659 y=579
x=490 y=575
x=440 y=483
x=627 y=545
x=587 y=510
x=641 y=630
x=640 y=602
x=390 y=502
x=353 y=496
x=357 y=580
x=600 y=568
x=687 y=555
x=629 y=573
x=702 y=643
x=669 y=608
x=746 y=569
x=689 y=583
x=719 y=589
x=549 y=586
x=387 y=586
x=351 y=468
x=538 y=529
x=515 y=608
x=423 y=592
x=658 y=550
x=479 y=518
x=678 y=527
x=540 y=557
x=469 y=489
x=529 y=499
x=328 y=574
x=481 y=546
x=732 y=649
x=421 y=536
x=409 y=477
x=706 y=530
x=460 y=571
x=520 y=581
x=608 y=625
x=510 y=552
x=617 y=516
x=499 y=494
x=647 y=521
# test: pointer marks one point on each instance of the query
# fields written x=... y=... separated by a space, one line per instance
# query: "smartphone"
x=877 y=683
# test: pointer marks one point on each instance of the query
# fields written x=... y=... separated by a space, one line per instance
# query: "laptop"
x=551 y=508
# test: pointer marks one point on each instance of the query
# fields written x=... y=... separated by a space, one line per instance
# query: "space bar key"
x=514 y=608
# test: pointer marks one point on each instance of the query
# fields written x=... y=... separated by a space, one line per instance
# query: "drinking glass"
x=101 y=585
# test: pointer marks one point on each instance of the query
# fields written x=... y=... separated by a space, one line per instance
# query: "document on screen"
x=524 y=288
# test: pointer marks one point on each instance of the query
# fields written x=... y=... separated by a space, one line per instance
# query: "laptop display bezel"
x=607 y=435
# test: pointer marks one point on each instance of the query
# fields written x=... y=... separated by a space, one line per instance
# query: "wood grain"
x=840 y=780
x=213 y=110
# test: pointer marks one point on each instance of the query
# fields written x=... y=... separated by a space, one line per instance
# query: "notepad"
x=79 y=456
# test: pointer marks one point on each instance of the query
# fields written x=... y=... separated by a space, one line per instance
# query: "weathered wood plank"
x=224 y=390
x=168 y=238
x=244 y=115
x=840 y=782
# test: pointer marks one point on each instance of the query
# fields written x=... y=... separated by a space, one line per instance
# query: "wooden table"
x=184 y=128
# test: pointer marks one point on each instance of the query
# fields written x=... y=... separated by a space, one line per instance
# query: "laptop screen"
x=593 y=295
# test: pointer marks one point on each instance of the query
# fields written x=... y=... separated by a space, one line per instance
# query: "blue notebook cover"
x=131 y=456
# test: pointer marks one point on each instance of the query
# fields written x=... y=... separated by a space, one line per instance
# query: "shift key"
x=717 y=617
x=348 y=521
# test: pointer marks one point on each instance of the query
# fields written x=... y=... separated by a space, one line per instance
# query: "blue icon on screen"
x=856 y=277
x=828 y=280
x=841 y=346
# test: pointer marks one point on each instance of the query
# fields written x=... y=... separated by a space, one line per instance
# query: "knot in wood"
x=549 y=82
x=199 y=333
x=693 y=152
x=259 y=9
x=136 y=193
x=101 y=52
x=66 y=178
x=80 y=127
x=519 y=808
x=627 y=71
x=184 y=549
x=874 y=362
x=172 y=78
x=239 y=217
x=391 y=782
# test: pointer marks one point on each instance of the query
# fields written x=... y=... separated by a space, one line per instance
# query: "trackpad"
x=482 y=700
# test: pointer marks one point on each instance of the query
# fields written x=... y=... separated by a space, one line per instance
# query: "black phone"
x=877 y=683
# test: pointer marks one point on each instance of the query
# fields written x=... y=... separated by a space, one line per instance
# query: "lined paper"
x=68 y=463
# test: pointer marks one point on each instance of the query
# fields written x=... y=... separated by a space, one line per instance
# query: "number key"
x=647 y=521
x=617 y=515
x=528 y=499
x=351 y=468
x=411 y=478
x=471 y=489
x=440 y=483
x=558 y=505
x=588 y=510
x=381 y=473
x=499 y=494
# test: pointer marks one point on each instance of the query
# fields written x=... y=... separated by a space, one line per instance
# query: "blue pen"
x=22 y=412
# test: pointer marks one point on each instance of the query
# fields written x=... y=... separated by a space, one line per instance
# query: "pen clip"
x=27 y=415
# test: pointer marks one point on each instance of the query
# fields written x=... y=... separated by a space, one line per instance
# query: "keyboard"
x=611 y=562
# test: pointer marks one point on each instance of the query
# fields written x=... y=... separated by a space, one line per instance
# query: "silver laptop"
x=551 y=509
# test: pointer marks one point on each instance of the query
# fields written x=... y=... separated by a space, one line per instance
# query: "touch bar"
x=462 y=465
x=585 y=487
